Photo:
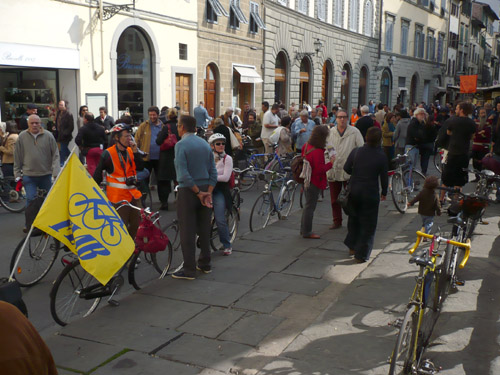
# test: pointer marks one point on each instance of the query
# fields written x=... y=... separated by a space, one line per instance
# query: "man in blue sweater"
x=197 y=176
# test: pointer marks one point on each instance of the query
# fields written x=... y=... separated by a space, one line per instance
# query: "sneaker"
x=181 y=275
x=204 y=269
x=228 y=251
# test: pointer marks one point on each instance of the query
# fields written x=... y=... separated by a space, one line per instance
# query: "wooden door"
x=209 y=87
x=244 y=93
x=183 y=91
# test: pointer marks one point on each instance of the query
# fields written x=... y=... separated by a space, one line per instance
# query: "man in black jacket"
x=414 y=136
x=64 y=129
x=107 y=122
x=365 y=122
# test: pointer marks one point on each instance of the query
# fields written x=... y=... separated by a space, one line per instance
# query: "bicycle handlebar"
x=124 y=203
x=465 y=246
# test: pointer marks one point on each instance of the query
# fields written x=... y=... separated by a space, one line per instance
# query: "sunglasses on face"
x=341 y=116
x=220 y=144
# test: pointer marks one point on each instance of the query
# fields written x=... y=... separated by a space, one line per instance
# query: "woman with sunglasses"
x=221 y=196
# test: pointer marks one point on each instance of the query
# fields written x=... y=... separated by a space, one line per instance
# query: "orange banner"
x=468 y=84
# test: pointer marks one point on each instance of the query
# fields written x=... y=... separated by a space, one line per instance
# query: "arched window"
x=353 y=15
x=345 y=88
x=363 y=86
x=305 y=73
x=280 y=78
x=210 y=89
x=368 y=18
x=338 y=13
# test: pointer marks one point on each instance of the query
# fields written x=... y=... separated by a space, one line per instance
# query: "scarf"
x=219 y=156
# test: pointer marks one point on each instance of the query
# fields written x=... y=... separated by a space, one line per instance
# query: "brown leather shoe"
x=359 y=260
x=313 y=236
x=336 y=226
x=352 y=252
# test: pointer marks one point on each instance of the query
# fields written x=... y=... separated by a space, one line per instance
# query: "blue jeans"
x=219 y=203
x=31 y=183
x=64 y=152
x=143 y=175
x=413 y=155
x=427 y=223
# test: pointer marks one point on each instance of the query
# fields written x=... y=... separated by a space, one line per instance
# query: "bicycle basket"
x=150 y=238
x=397 y=161
x=473 y=206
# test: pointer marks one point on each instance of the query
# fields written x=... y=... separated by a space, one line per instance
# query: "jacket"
x=166 y=167
x=107 y=123
x=387 y=134
x=116 y=187
x=7 y=148
x=201 y=115
x=400 y=133
x=428 y=202
x=90 y=135
x=415 y=133
x=316 y=158
x=143 y=138
x=36 y=156
x=343 y=145
x=363 y=124
x=64 y=126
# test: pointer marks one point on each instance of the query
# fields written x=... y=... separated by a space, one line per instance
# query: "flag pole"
x=13 y=271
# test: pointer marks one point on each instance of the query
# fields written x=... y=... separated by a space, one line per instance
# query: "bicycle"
x=76 y=293
x=440 y=156
x=12 y=199
x=265 y=205
x=404 y=181
x=232 y=220
x=423 y=310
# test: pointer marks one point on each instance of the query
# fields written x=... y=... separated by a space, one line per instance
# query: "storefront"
x=35 y=75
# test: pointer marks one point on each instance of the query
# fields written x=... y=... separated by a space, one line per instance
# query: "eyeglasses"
x=341 y=116
x=220 y=144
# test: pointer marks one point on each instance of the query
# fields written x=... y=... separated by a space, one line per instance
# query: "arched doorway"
x=326 y=86
x=281 y=78
x=413 y=89
x=134 y=73
x=363 y=84
x=210 y=89
x=345 y=88
x=305 y=73
x=386 y=87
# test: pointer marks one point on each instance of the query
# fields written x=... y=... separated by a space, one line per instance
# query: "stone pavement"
x=282 y=304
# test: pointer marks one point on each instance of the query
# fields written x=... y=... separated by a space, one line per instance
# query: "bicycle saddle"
x=456 y=220
x=287 y=169
x=423 y=262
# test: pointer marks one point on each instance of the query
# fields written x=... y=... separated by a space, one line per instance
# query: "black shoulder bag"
x=343 y=198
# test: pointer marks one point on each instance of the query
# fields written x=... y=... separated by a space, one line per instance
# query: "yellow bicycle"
x=416 y=327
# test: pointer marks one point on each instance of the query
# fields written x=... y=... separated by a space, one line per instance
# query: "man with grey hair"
x=365 y=122
x=302 y=129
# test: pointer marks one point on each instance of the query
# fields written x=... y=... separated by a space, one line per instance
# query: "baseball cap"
x=31 y=106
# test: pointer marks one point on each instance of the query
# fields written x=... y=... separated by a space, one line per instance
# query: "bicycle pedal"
x=396 y=324
x=114 y=302
x=428 y=368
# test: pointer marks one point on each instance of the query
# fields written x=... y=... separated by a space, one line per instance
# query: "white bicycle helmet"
x=214 y=137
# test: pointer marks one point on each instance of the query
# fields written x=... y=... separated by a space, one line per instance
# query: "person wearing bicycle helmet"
x=120 y=163
x=221 y=196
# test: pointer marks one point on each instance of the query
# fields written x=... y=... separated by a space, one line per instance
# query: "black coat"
x=108 y=122
x=363 y=124
x=166 y=168
x=64 y=126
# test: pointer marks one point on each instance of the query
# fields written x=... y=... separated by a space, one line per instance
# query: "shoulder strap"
x=309 y=151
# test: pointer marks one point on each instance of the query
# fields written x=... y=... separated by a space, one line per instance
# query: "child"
x=428 y=205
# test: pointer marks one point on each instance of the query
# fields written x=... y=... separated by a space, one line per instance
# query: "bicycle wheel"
x=146 y=267
x=12 y=200
x=67 y=302
x=147 y=197
x=247 y=180
x=401 y=359
x=432 y=308
x=236 y=198
x=261 y=212
x=286 y=199
x=398 y=193
x=471 y=227
x=416 y=183
x=438 y=160
x=233 y=221
x=37 y=258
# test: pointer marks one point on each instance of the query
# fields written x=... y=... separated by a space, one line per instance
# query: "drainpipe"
x=101 y=13
x=380 y=29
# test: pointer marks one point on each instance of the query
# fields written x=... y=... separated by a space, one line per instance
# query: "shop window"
x=183 y=51
x=20 y=87
x=134 y=70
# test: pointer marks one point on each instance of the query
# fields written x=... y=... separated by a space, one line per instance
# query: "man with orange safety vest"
x=120 y=162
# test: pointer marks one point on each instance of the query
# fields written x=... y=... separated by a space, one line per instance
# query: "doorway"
x=305 y=72
x=210 y=89
x=345 y=89
x=183 y=91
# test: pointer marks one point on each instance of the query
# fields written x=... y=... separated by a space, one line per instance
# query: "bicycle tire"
x=445 y=276
x=287 y=197
x=398 y=194
x=37 y=259
x=67 y=287
x=404 y=343
x=233 y=220
x=437 y=161
x=172 y=232
x=140 y=272
x=10 y=199
x=431 y=308
x=417 y=182
x=471 y=227
x=247 y=180
x=261 y=208
x=236 y=198
x=146 y=198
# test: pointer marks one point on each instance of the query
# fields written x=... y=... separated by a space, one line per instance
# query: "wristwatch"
x=198 y=192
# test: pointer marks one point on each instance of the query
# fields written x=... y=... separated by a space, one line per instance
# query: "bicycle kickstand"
x=112 y=301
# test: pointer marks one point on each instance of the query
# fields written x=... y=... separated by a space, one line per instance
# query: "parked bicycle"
x=12 y=196
x=266 y=206
x=405 y=182
x=425 y=304
x=77 y=294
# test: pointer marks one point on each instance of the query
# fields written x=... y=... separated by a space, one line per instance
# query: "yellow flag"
x=78 y=213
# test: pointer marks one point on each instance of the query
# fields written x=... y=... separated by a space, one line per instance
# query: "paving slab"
x=320 y=254
x=211 y=322
x=140 y=336
x=261 y=300
x=251 y=329
x=199 y=291
x=309 y=268
x=152 y=310
x=134 y=363
x=80 y=355
x=61 y=371
x=204 y=352
x=293 y=284
x=254 y=245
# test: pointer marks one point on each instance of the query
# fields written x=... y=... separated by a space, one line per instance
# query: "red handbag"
x=149 y=237
x=170 y=141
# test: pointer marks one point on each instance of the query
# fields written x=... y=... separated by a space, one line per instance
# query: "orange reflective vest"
x=116 y=188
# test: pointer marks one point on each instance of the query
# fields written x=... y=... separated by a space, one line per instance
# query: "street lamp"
x=317 y=47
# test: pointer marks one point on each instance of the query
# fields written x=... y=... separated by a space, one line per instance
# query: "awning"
x=440 y=89
x=248 y=75
x=218 y=8
x=235 y=6
x=402 y=89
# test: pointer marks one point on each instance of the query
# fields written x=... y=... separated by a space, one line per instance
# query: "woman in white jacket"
x=343 y=139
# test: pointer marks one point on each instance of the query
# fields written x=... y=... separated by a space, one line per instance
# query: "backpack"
x=275 y=135
x=298 y=166
x=231 y=183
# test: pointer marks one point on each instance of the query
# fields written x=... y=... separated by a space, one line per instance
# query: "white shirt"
x=269 y=119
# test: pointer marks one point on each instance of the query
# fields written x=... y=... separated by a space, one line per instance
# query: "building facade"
x=413 y=49
x=321 y=50
x=230 y=44
x=126 y=58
